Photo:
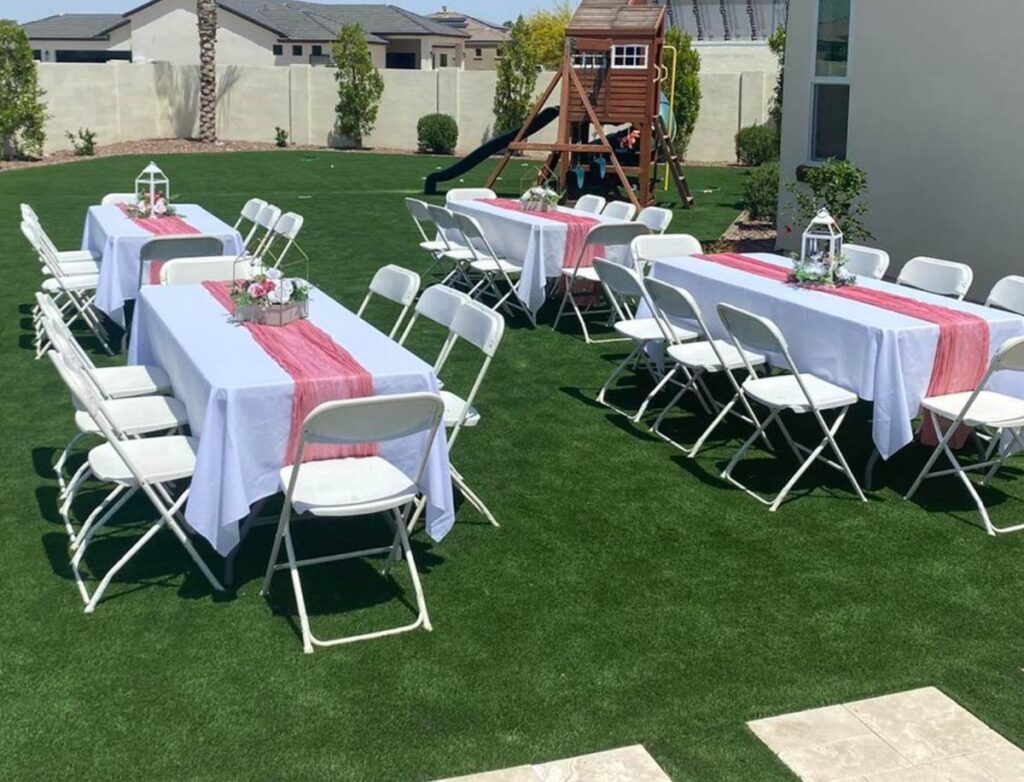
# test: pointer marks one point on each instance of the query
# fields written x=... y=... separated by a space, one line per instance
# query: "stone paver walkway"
x=916 y=736
x=629 y=764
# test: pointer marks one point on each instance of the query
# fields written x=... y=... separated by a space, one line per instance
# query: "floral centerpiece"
x=821 y=262
x=153 y=190
x=270 y=299
x=540 y=199
x=157 y=206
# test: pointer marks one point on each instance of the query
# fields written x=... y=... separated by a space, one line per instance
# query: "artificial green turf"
x=630 y=596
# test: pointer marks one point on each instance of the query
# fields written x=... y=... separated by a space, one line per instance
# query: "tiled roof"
x=477 y=29
x=76 y=26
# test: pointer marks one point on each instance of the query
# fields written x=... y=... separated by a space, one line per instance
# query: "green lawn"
x=630 y=596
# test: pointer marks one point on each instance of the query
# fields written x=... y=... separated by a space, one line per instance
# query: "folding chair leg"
x=91 y=604
x=58 y=467
x=616 y=373
x=474 y=500
x=727 y=472
x=665 y=380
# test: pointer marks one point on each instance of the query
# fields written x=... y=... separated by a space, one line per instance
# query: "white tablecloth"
x=239 y=402
x=884 y=357
x=537 y=242
x=112 y=235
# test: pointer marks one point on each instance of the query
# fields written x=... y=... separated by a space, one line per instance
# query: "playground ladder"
x=665 y=144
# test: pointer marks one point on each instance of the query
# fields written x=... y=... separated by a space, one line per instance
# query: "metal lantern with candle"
x=821 y=261
x=154 y=192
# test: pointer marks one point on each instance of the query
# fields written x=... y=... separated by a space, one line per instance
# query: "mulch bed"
x=746 y=235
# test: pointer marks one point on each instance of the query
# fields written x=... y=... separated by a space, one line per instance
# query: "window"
x=278 y=50
x=830 y=93
x=498 y=54
x=478 y=54
x=90 y=55
x=443 y=59
x=590 y=60
x=37 y=54
x=629 y=56
x=318 y=51
x=297 y=50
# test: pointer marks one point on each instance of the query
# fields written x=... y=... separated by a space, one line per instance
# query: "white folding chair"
x=192 y=271
x=483 y=328
x=590 y=203
x=395 y=284
x=865 y=261
x=439 y=304
x=468 y=194
x=73 y=261
x=657 y=218
x=647 y=250
x=491 y=269
x=604 y=237
x=419 y=211
x=456 y=252
x=695 y=360
x=946 y=278
x=798 y=392
x=1008 y=294
x=622 y=285
x=151 y=465
x=113 y=199
x=619 y=210
x=266 y=220
x=159 y=250
x=359 y=486
x=249 y=213
x=287 y=230
x=990 y=411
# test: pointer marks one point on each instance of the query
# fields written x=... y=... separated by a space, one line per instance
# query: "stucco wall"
x=129 y=101
x=933 y=122
x=119 y=40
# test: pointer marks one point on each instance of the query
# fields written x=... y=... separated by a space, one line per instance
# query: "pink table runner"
x=323 y=371
x=576 y=234
x=169 y=225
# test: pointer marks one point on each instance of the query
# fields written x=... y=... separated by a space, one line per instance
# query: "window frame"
x=277 y=49
x=316 y=50
x=296 y=50
x=817 y=81
x=637 y=65
x=588 y=61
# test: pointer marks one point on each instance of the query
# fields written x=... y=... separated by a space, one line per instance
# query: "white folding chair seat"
x=865 y=261
x=455 y=407
x=784 y=392
x=79 y=283
x=492 y=265
x=998 y=415
x=131 y=381
x=945 y=278
x=157 y=459
x=356 y=486
x=649 y=330
x=693 y=360
x=492 y=269
x=143 y=415
x=79 y=268
x=798 y=392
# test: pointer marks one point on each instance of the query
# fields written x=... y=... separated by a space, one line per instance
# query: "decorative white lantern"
x=152 y=182
x=822 y=241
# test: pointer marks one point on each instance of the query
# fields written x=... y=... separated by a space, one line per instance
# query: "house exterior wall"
x=931 y=122
x=120 y=41
x=488 y=59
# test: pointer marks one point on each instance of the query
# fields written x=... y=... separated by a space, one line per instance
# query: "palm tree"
x=206 y=13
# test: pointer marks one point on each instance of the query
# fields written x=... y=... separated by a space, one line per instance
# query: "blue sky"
x=491 y=10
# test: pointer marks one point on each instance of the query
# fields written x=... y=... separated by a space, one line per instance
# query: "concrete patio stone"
x=1005 y=764
x=629 y=764
x=958 y=769
x=516 y=774
x=808 y=728
x=851 y=758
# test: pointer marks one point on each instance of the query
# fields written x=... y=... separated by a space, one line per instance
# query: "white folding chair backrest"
x=760 y=335
x=250 y=211
x=590 y=203
x=446 y=225
x=28 y=213
x=657 y=218
x=74 y=380
x=286 y=228
x=619 y=210
x=420 y=213
x=192 y=271
x=946 y=278
x=473 y=233
x=33 y=233
x=612 y=235
x=468 y=194
x=439 y=304
x=621 y=282
x=395 y=284
x=483 y=328
x=112 y=199
x=648 y=249
x=373 y=419
x=266 y=219
x=1008 y=294
x=866 y=261
x=167 y=248
x=673 y=304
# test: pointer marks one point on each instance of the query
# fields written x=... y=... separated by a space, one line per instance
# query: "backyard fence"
x=122 y=101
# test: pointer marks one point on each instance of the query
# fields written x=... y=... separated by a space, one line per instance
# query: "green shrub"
x=84 y=144
x=761 y=193
x=281 y=137
x=839 y=186
x=687 y=87
x=437 y=133
x=757 y=144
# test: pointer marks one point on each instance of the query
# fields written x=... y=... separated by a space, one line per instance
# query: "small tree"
x=839 y=186
x=360 y=86
x=22 y=111
x=548 y=31
x=687 y=103
x=777 y=43
x=517 y=78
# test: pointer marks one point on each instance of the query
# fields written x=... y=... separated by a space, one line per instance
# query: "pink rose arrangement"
x=159 y=208
x=267 y=289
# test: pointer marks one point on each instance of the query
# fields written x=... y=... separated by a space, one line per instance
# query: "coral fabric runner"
x=168 y=225
x=323 y=371
x=578 y=227
x=962 y=354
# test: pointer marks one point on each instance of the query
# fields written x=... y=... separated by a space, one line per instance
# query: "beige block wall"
x=937 y=129
x=129 y=101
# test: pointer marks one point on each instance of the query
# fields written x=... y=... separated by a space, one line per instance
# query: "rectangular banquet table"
x=112 y=235
x=535 y=241
x=239 y=402
x=884 y=357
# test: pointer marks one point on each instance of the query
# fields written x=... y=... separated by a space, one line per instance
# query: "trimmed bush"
x=757 y=144
x=437 y=133
x=761 y=193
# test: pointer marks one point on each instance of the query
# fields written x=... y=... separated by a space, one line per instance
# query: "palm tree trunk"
x=206 y=13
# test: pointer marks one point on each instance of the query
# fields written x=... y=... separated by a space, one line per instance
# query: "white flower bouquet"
x=270 y=299
x=540 y=199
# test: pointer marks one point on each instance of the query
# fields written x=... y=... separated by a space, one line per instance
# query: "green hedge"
x=437 y=133
x=757 y=144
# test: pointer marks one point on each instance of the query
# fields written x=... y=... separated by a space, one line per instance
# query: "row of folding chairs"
x=694 y=354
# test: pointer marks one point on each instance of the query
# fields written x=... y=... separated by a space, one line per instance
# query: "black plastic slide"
x=481 y=153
